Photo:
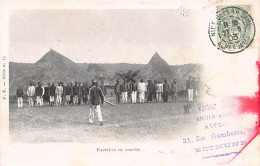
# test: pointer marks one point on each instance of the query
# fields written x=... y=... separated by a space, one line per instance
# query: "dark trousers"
x=150 y=97
x=174 y=96
x=154 y=96
x=79 y=99
x=48 y=99
x=165 y=96
x=71 y=99
x=118 y=97
x=85 y=98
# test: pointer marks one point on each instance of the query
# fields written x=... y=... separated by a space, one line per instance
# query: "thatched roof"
x=157 y=68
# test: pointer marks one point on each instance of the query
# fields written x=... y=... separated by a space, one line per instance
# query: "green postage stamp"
x=234 y=29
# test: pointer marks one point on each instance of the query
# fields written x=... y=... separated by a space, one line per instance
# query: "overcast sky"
x=104 y=36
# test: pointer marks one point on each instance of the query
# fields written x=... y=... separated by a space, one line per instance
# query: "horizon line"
x=110 y=63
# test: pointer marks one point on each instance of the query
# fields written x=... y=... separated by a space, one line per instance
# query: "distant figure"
x=117 y=91
x=190 y=87
x=174 y=90
x=31 y=93
x=129 y=92
x=52 y=93
x=47 y=93
x=159 y=90
x=103 y=88
x=141 y=90
x=67 y=92
x=155 y=86
x=85 y=92
x=39 y=93
x=34 y=97
x=197 y=88
x=133 y=87
x=43 y=92
x=71 y=94
x=124 y=90
x=63 y=94
x=76 y=94
x=150 y=91
x=59 y=93
x=166 y=91
x=80 y=93
x=82 y=90
x=96 y=97
x=19 y=94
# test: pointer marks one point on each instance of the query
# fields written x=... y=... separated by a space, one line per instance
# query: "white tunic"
x=141 y=87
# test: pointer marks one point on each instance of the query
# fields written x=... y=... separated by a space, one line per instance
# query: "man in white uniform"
x=142 y=90
x=190 y=87
x=159 y=90
x=124 y=89
x=43 y=92
x=31 y=93
x=133 y=87
x=59 y=93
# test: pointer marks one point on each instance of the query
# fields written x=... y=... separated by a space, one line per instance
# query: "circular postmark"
x=233 y=31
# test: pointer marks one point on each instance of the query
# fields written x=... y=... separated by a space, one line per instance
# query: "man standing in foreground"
x=95 y=96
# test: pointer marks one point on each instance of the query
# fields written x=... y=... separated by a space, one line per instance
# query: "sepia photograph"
x=73 y=71
x=129 y=83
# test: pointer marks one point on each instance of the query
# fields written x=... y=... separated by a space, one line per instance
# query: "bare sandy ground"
x=122 y=123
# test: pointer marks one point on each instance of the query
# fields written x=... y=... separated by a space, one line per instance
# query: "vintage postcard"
x=130 y=83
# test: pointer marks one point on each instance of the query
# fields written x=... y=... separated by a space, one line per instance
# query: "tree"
x=128 y=76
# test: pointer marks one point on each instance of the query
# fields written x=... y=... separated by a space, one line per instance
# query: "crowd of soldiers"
x=152 y=91
x=60 y=95
x=126 y=91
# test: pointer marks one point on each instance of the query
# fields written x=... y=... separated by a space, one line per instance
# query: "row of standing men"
x=95 y=93
x=60 y=94
x=77 y=93
x=153 y=91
